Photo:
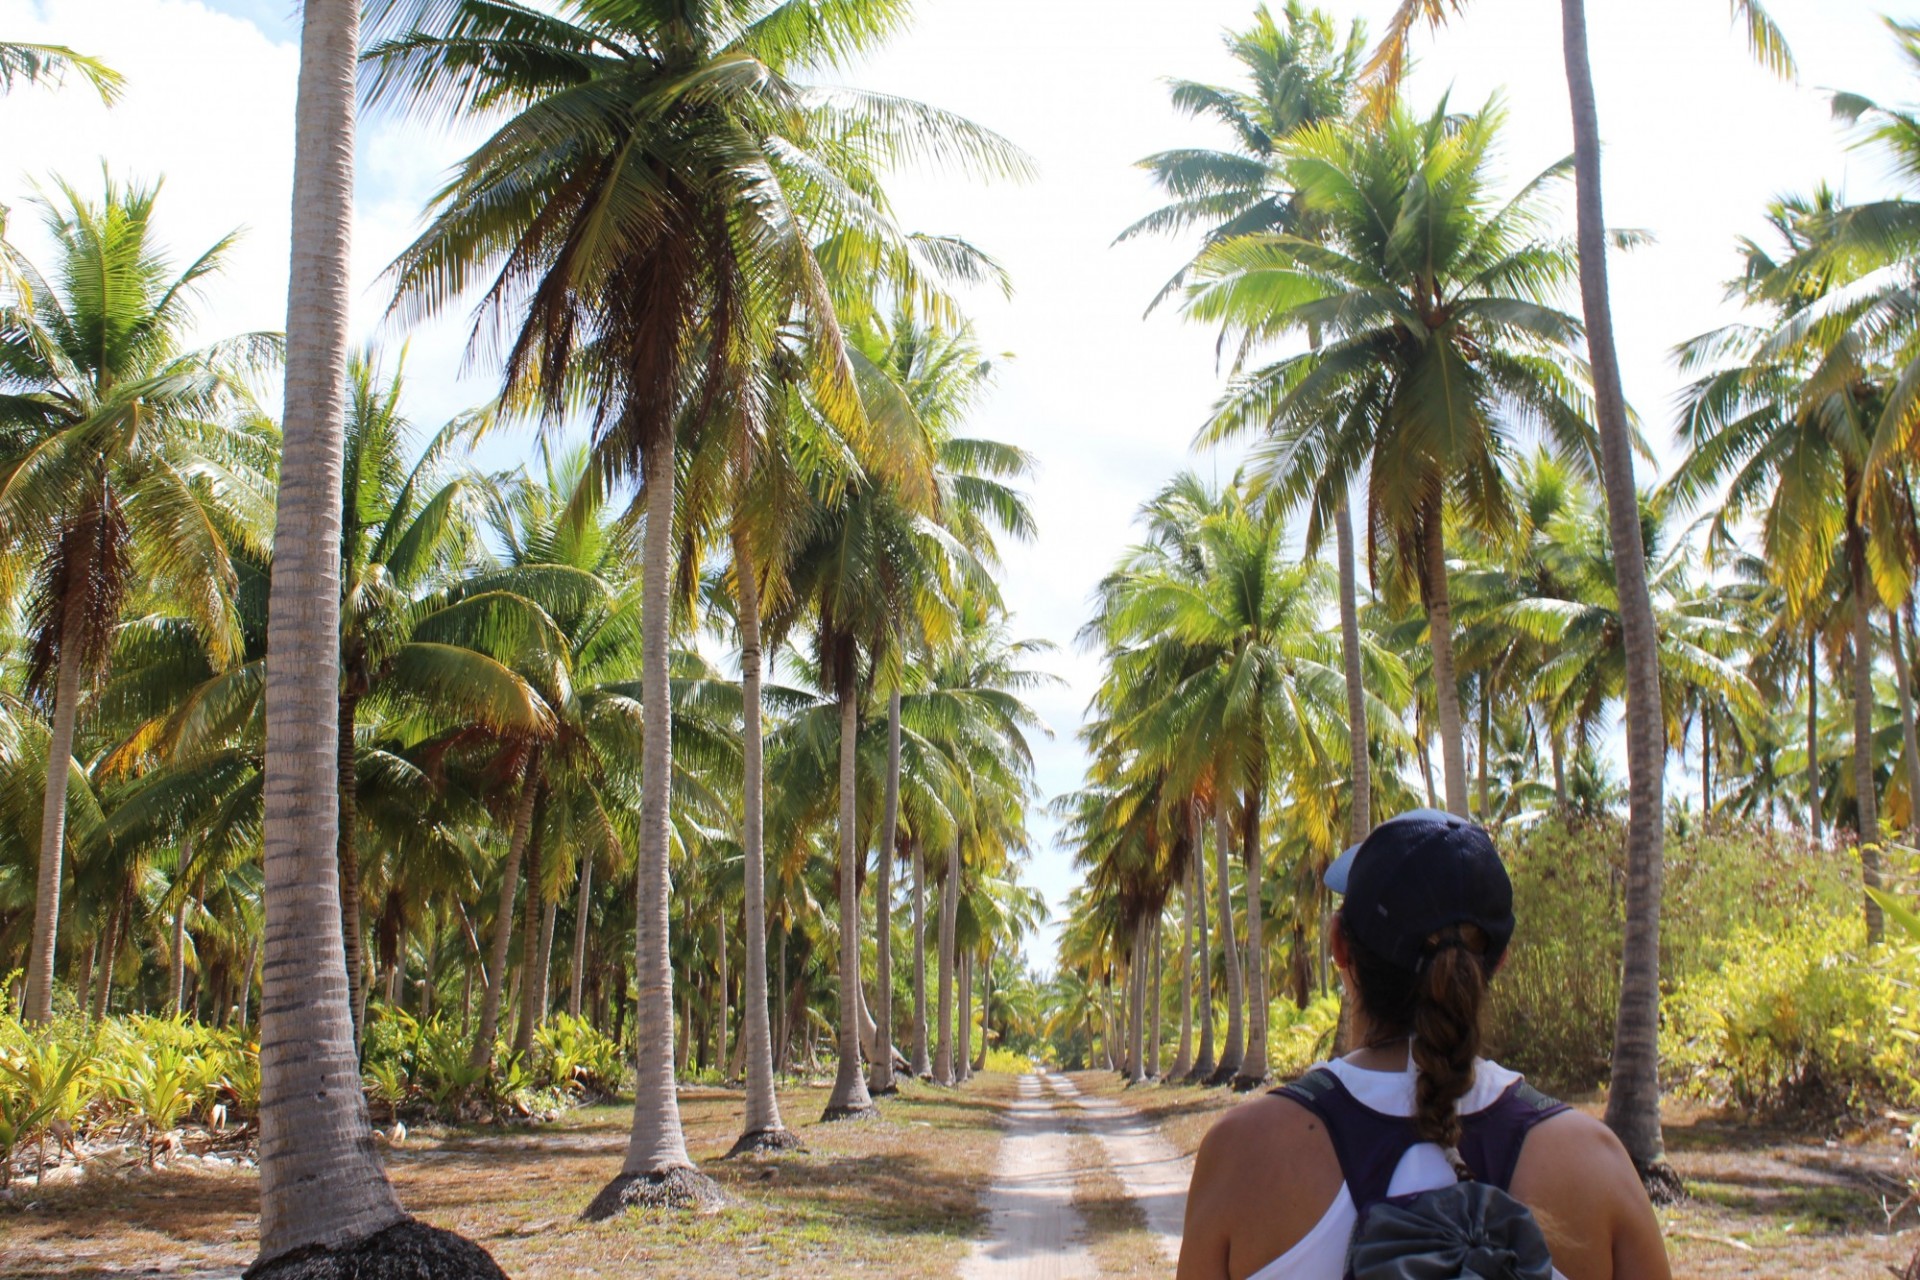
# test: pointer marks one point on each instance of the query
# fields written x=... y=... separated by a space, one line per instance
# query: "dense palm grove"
x=699 y=745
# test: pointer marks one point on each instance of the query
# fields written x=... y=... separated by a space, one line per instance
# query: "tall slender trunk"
x=922 y=1065
x=109 y=952
x=246 y=982
x=963 y=1054
x=1706 y=764
x=1137 y=966
x=1909 y=735
x=1424 y=748
x=1559 y=769
x=1253 y=1069
x=1446 y=687
x=1485 y=747
x=1203 y=1065
x=1866 y=796
x=1813 y=733
x=850 y=1096
x=582 y=913
x=531 y=977
x=883 y=908
x=720 y=993
x=53 y=812
x=543 y=981
x=321 y=1181
x=949 y=910
x=1235 y=1052
x=496 y=971
x=177 y=978
x=762 y=1124
x=1360 y=819
x=89 y=959
x=657 y=1147
x=985 y=963
x=1154 y=1001
x=1633 y=1099
x=348 y=852
x=1183 y=1058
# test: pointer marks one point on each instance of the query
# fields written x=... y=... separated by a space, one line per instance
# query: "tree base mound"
x=1225 y=1073
x=764 y=1142
x=672 y=1189
x=1662 y=1183
x=1247 y=1084
x=1202 y=1073
x=856 y=1111
x=407 y=1250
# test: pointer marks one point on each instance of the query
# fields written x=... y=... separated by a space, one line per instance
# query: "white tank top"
x=1322 y=1252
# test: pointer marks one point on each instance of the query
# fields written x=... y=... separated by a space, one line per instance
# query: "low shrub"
x=1798 y=1017
x=1008 y=1062
x=1297 y=1038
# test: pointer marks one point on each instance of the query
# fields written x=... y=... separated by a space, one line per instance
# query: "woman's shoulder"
x=1265 y=1174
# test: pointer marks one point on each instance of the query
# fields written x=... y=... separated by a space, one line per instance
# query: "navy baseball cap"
x=1418 y=873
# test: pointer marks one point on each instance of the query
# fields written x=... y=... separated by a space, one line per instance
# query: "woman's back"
x=1270 y=1202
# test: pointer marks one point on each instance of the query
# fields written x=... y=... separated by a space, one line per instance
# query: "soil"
x=407 y=1250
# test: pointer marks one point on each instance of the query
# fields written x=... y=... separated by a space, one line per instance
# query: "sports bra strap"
x=1370 y=1144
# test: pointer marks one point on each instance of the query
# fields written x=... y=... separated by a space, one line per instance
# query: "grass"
x=898 y=1195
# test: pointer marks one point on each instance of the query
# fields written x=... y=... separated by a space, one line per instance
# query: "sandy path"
x=1152 y=1169
x=1033 y=1230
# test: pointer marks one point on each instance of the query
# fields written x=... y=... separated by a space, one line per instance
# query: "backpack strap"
x=1490 y=1140
x=1367 y=1143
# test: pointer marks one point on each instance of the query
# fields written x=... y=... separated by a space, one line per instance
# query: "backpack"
x=1472 y=1230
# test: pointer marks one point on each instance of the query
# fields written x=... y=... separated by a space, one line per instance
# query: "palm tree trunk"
x=109 y=952
x=1706 y=765
x=1813 y=733
x=720 y=994
x=177 y=978
x=985 y=961
x=883 y=909
x=1485 y=745
x=1137 y=966
x=481 y=1055
x=535 y=909
x=53 y=813
x=1446 y=687
x=949 y=911
x=849 y=1097
x=963 y=1055
x=1253 y=1070
x=1154 y=1001
x=246 y=982
x=351 y=927
x=1361 y=809
x=1909 y=736
x=1633 y=1100
x=582 y=913
x=1183 y=1059
x=1866 y=797
x=321 y=1182
x=922 y=1066
x=1204 y=1065
x=1230 y=1060
x=657 y=1166
x=1554 y=749
x=762 y=1126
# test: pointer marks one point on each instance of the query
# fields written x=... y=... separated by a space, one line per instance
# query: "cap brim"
x=1336 y=877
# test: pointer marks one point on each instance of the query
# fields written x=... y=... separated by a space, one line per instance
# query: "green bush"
x=1008 y=1062
x=1552 y=1007
x=1798 y=1017
x=1297 y=1038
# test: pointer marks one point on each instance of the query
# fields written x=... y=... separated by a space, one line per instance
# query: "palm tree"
x=321 y=1184
x=109 y=421
x=1785 y=416
x=1300 y=74
x=1633 y=1101
x=1441 y=337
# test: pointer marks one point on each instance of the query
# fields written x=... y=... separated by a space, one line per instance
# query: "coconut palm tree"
x=321 y=1183
x=1441 y=338
x=1633 y=1101
x=1784 y=415
x=109 y=421
x=1300 y=73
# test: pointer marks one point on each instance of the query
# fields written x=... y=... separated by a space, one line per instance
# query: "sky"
x=1697 y=137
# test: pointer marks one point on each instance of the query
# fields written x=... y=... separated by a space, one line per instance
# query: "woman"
x=1281 y=1182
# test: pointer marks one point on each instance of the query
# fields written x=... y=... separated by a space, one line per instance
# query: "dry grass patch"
x=898 y=1195
x=1116 y=1228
